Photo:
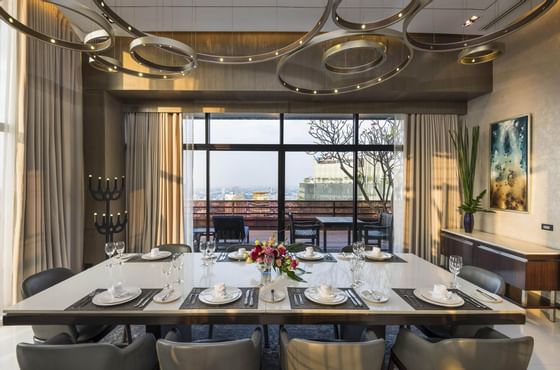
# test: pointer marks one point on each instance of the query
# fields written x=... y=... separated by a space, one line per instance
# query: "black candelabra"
x=108 y=225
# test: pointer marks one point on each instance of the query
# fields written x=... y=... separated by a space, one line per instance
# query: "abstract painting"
x=509 y=164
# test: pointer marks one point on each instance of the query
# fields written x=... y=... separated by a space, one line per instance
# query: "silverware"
x=487 y=295
x=146 y=299
x=298 y=298
x=251 y=298
x=166 y=296
x=351 y=298
x=411 y=300
x=87 y=299
x=246 y=301
x=192 y=299
x=358 y=301
x=272 y=295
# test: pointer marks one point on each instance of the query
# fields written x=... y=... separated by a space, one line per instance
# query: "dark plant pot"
x=468 y=222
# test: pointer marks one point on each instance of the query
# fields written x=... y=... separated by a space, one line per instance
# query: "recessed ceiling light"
x=471 y=20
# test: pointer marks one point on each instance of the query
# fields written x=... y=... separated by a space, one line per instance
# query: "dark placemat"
x=394 y=259
x=138 y=258
x=471 y=304
x=308 y=305
x=85 y=304
x=193 y=303
x=223 y=257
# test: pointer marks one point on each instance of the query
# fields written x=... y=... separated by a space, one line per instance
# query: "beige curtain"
x=154 y=172
x=432 y=184
x=53 y=204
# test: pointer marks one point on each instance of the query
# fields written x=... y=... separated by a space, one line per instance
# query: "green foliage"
x=467 y=151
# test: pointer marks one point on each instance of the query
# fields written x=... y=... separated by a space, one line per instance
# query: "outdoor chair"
x=306 y=230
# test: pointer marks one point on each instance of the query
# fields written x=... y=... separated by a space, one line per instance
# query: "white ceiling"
x=442 y=16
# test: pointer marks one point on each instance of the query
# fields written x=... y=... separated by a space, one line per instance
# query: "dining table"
x=336 y=222
x=57 y=304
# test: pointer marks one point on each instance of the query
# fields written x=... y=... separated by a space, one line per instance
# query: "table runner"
x=470 y=303
x=193 y=303
x=307 y=304
x=86 y=304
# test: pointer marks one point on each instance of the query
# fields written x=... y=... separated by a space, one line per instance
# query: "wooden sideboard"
x=524 y=266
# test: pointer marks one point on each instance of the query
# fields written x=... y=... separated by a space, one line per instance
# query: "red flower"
x=282 y=250
x=294 y=264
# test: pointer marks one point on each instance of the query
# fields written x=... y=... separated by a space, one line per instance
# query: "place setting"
x=311 y=255
x=325 y=296
x=117 y=297
x=154 y=255
x=377 y=255
x=239 y=255
x=439 y=297
x=222 y=296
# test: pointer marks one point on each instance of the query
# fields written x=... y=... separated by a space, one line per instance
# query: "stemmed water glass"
x=210 y=249
x=166 y=269
x=177 y=264
x=109 y=251
x=455 y=266
x=203 y=248
x=359 y=249
x=119 y=246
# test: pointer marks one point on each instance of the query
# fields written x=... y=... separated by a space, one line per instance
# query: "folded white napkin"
x=220 y=290
x=154 y=252
x=326 y=291
x=440 y=291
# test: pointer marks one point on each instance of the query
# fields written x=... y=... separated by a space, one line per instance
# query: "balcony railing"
x=263 y=214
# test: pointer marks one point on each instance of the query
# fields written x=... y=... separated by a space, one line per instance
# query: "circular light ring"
x=96 y=44
x=228 y=59
x=481 y=54
x=475 y=41
x=372 y=81
x=107 y=64
x=169 y=45
x=376 y=25
x=379 y=47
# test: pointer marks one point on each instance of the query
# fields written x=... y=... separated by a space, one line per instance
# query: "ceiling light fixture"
x=168 y=45
x=379 y=48
x=481 y=54
x=96 y=44
x=374 y=25
x=426 y=45
x=469 y=22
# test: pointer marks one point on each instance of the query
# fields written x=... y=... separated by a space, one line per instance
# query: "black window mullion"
x=207 y=141
x=355 y=182
x=281 y=183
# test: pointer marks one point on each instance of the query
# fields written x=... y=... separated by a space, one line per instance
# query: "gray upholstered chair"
x=79 y=333
x=176 y=248
x=60 y=353
x=488 y=350
x=244 y=354
x=302 y=354
x=485 y=279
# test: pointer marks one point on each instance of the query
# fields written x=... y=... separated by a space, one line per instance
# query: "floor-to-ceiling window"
x=264 y=167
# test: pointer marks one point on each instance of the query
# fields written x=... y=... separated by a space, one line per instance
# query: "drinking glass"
x=203 y=247
x=119 y=246
x=177 y=264
x=166 y=269
x=211 y=248
x=356 y=267
x=359 y=248
x=110 y=248
x=455 y=266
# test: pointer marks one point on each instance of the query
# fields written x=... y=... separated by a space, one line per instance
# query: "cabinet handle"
x=507 y=255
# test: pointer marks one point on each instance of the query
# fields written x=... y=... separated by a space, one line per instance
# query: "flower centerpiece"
x=269 y=255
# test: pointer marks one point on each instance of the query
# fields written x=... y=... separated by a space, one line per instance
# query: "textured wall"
x=527 y=80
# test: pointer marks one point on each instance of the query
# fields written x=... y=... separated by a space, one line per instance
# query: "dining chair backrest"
x=45 y=279
x=350 y=249
x=300 y=247
x=176 y=248
x=303 y=354
x=244 y=354
x=229 y=227
x=64 y=355
x=485 y=279
x=386 y=219
x=491 y=350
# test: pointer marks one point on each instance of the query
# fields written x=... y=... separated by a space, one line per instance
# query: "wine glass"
x=455 y=266
x=211 y=248
x=166 y=269
x=119 y=246
x=110 y=248
x=203 y=247
x=177 y=264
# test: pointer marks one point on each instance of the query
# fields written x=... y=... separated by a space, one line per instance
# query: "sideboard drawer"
x=451 y=245
x=511 y=267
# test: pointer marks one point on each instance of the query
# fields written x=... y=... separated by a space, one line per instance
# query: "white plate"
x=232 y=295
x=373 y=296
x=382 y=257
x=159 y=256
x=314 y=257
x=481 y=297
x=106 y=299
x=175 y=295
x=339 y=297
x=427 y=296
x=237 y=256
x=266 y=296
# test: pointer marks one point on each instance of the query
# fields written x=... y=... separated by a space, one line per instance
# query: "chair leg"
x=127 y=334
x=266 y=337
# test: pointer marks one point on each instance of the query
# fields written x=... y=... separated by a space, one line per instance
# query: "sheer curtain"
x=10 y=138
x=154 y=172
x=188 y=177
x=432 y=188
x=398 y=184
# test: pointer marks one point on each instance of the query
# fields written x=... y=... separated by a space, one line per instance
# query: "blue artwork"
x=509 y=164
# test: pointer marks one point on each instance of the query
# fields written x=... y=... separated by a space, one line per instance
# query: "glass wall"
x=266 y=168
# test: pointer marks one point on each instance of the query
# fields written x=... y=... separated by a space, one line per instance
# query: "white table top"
x=414 y=274
x=509 y=244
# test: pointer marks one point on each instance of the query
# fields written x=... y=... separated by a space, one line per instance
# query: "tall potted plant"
x=467 y=150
